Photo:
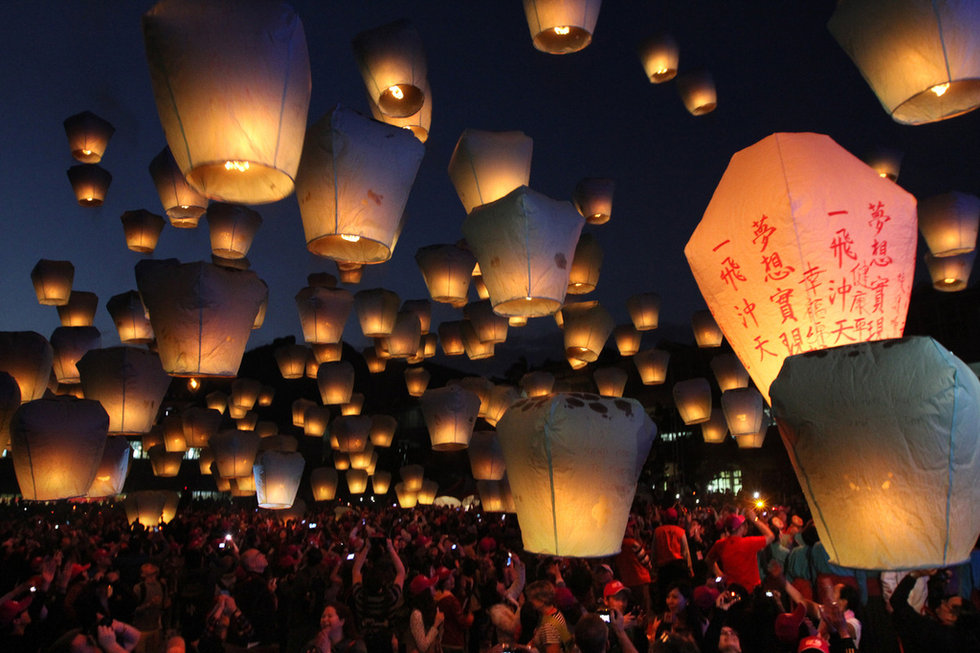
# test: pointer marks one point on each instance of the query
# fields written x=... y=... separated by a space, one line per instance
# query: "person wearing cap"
x=735 y=555
x=458 y=620
x=814 y=644
x=425 y=623
x=615 y=599
x=14 y=623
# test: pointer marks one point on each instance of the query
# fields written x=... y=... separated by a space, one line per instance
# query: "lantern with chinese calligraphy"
x=277 y=475
x=113 y=468
x=693 y=400
x=52 y=281
x=356 y=481
x=354 y=406
x=392 y=63
x=490 y=328
x=353 y=185
x=449 y=414
x=451 y=338
x=234 y=452
x=797 y=222
x=234 y=117
x=644 y=310
x=406 y=498
x=142 y=230
x=88 y=136
x=486 y=166
x=353 y=432
x=447 y=271
x=949 y=223
x=90 y=183
x=697 y=90
x=336 y=382
x=199 y=425
x=886 y=162
x=744 y=410
x=572 y=465
x=486 y=456
x=79 y=310
x=501 y=398
x=377 y=310
x=918 y=57
x=27 y=356
x=416 y=380
x=652 y=365
x=362 y=459
x=586 y=331
x=659 y=55
x=706 y=331
x=130 y=384
x=627 y=339
x=561 y=26
x=537 y=384
x=69 y=345
x=129 y=316
x=610 y=381
x=323 y=482
x=315 y=418
x=173 y=434
x=474 y=347
x=729 y=372
x=586 y=264
x=217 y=400
x=593 y=198
x=182 y=204
x=291 y=360
x=715 y=430
x=950 y=273
x=56 y=446
x=232 y=228
x=323 y=313
x=905 y=411
x=405 y=335
x=382 y=430
x=411 y=476
x=165 y=464
x=201 y=313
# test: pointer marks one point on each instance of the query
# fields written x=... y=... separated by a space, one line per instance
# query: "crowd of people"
x=222 y=577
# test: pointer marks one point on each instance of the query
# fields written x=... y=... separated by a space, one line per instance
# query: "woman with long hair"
x=426 y=620
x=682 y=617
x=337 y=633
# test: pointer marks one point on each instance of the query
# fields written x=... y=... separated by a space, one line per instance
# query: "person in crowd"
x=337 y=633
x=671 y=553
x=151 y=600
x=376 y=598
x=255 y=596
x=457 y=620
x=594 y=635
x=634 y=565
x=425 y=623
x=949 y=625
x=682 y=617
x=551 y=635
x=735 y=555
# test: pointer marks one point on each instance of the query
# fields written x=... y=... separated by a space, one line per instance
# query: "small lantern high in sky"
x=561 y=26
x=391 y=59
x=88 y=136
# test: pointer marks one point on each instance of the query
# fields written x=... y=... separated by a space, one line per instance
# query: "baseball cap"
x=419 y=584
x=733 y=522
x=612 y=588
x=814 y=644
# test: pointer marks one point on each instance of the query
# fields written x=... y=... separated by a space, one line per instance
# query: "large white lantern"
x=486 y=166
x=392 y=63
x=129 y=383
x=277 y=475
x=561 y=26
x=113 y=469
x=450 y=414
x=232 y=87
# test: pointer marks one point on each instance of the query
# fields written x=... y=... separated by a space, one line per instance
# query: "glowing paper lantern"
x=199 y=425
x=593 y=198
x=832 y=266
x=9 y=402
x=517 y=321
x=449 y=414
x=537 y=384
x=217 y=400
x=244 y=394
x=572 y=465
x=752 y=440
x=949 y=223
x=644 y=310
x=268 y=429
x=88 y=136
x=610 y=381
x=375 y=363
x=406 y=498
x=652 y=365
x=715 y=430
x=525 y=242
x=422 y=309
x=416 y=380
x=380 y=482
x=350 y=273
x=315 y=419
x=447 y=271
x=706 y=331
x=201 y=313
x=234 y=116
x=491 y=497
x=627 y=339
x=451 y=338
x=486 y=166
x=248 y=421
x=480 y=286
x=906 y=413
x=693 y=400
x=243 y=486
x=142 y=230
x=205 y=457
x=886 y=162
x=584 y=274
x=411 y=476
x=353 y=185
x=356 y=481
x=165 y=464
x=327 y=352
x=323 y=482
x=501 y=398
x=69 y=345
x=336 y=382
x=427 y=495
x=277 y=475
x=659 y=55
x=129 y=316
x=489 y=327
x=232 y=228
x=392 y=64
x=222 y=484
x=481 y=386
x=353 y=433
x=153 y=437
x=950 y=273
x=377 y=310
x=729 y=372
x=183 y=205
x=323 y=313
x=561 y=26
x=341 y=461
x=113 y=468
x=918 y=57
x=173 y=434
x=418 y=123
x=90 y=183
x=145 y=507
x=291 y=360
x=80 y=309
x=405 y=335
x=52 y=281
x=353 y=407
x=744 y=410
x=362 y=459
x=486 y=456
x=586 y=332
x=130 y=384
x=474 y=347
x=234 y=452
x=697 y=90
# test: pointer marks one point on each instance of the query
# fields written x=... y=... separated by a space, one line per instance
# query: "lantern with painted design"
x=561 y=26
x=129 y=383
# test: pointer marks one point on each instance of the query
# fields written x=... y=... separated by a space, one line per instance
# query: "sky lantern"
x=9 y=402
x=244 y=394
x=216 y=400
x=919 y=57
x=526 y=242
x=501 y=398
x=693 y=400
x=517 y=321
x=744 y=410
x=412 y=476
x=90 y=183
x=130 y=318
x=375 y=363
x=247 y=421
x=173 y=434
x=267 y=429
x=586 y=264
x=405 y=335
x=416 y=380
x=165 y=464
x=220 y=483
x=69 y=345
x=627 y=339
x=234 y=452
x=803 y=247
x=243 y=486
x=362 y=459
x=234 y=117
x=538 y=383
x=353 y=432
x=353 y=185
x=80 y=309
x=407 y=499
x=356 y=480
x=697 y=90
x=451 y=338
x=752 y=440
x=486 y=456
x=130 y=384
x=490 y=328
x=491 y=499
x=183 y=205
x=201 y=313
x=586 y=331
x=316 y=419
x=644 y=310
x=57 y=445
x=277 y=475
x=422 y=309
x=323 y=482
x=299 y=408
x=419 y=123
x=380 y=482
x=323 y=312
x=475 y=348
x=52 y=281
x=480 y=286
x=593 y=198
x=610 y=381
x=382 y=431
x=354 y=406
x=199 y=425
x=113 y=469
x=449 y=414
x=427 y=495
x=949 y=223
x=341 y=461
x=706 y=331
x=905 y=495
x=232 y=228
x=659 y=55
x=291 y=360
x=336 y=382
x=950 y=273
x=391 y=59
x=729 y=372
x=377 y=310
x=350 y=273
x=145 y=507
x=715 y=430
x=205 y=458
x=152 y=437
x=447 y=271
x=652 y=365
x=142 y=230
x=886 y=162
x=561 y=26
x=486 y=166
x=482 y=386
x=327 y=352
x=88 y=136
x=572 y=464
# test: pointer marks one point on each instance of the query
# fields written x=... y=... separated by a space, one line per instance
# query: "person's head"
x=616 y=596
x=949 y=609
x=603 y=574
x=149 y=571
x=846 y=596
x=336 y=618
x=254 y=561
x=678 y=597
x=735 y=525
x=728 y=641
x=176 y=644
x=83 y=643
x=591 y=634
x=540 y=594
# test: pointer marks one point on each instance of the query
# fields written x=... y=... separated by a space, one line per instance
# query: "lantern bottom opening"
x=528 y=307
x=582 y=353
x=661 y=76
x=185 y=218
x=240 y=181
x=939 y=102
x=562 y=39
x=340 y=248
x=598 y=218
x=401 y=100
x=449 y=446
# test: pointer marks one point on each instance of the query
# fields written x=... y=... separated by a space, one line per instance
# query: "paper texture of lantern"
x=277 y=476
x=949 y=223
x=52 y=281
x=901 y=416
x=525 y=243
x=165 y=464
x=659 y=55
x=69 y=345
x=382 y=430
x=232 y=228
x=202 y=314
x=234 y=117
x=422 y=309
x=644 y=310
x=356 y=481
x=449 y=414
x=693 y=400
x=486 y=166
x=501 y=398
x=481 y=386
x=586 y=331
x=88 y=136
x=199 y=425
x=406 y=498
x=381 y=482
x=323 y=482
x=537 y=384
x=752 y=440
x=183 y=205
x=715 y=430
x=446 y=270
x=217 y=400
x=247 y=421
x=572 y=464
x=490 y=328
x=475 y=348
x=234 y=452
x=323 y=312
x=244 y=394
x=129 y=316
x=336 y=382
x=130 y=384
x=392 y=64
x=561 y=26
x=697 y=91
x=744 y=410
x=9 y=402
x=486 y=456
x=586 y=264
x=610 y=381
x=56 y=446
x=950 y=273
x=341 y=461
x=377 y=310
x=803 y=247
x=353 y=185
x=729 y=372
x=918 y=57
x=315 y=419
x=142 y=230
x=113 y=469
x=451 y=338
x=352 y=432
x=353 y=407
x=80 y=309
x=90 y=183
x=375 y=363
x=593 y=198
